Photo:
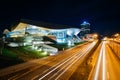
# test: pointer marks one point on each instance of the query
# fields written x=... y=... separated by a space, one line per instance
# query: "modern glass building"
x=28 y=27
x=85 y=28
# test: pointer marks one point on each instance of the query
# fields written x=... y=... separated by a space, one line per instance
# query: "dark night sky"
x=103 y=15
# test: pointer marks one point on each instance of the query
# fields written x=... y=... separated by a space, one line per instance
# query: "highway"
x=58 y=67
x=106 y=63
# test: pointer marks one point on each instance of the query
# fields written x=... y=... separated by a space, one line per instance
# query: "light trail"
x=103 y=62
x=66 y=59
x=63 y=62
x=20 y=75
x=101 y=58
x=54 y=67
x=66 y=67
x=66 y=62
x=73 y=63
x=98 y=64
x=57 y=65
x=37 y=67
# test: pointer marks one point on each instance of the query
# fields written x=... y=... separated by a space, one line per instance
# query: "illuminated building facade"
x=29 y=28
x=85 y=28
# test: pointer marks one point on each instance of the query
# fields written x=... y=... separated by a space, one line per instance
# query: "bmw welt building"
x=62 y=33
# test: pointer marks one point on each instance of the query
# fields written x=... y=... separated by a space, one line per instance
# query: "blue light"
x=84 y=22
x=61 y=40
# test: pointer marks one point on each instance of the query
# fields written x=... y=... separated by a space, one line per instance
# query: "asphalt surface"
x=58 y=67
x=106 y=64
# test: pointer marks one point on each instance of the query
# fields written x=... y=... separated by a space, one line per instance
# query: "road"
x=58 y=67
x=106 y=63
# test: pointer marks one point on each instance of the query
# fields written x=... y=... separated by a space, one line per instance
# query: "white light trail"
x=66 y=62
x=98 y=64
x=66 y=59
x=101 y=58
x=74 y=61
x=103 y=62
x=56 y=66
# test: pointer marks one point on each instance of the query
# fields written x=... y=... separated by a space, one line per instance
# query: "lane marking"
x=108 y=77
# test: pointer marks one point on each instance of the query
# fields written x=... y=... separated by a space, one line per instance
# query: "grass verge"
x=8 y=58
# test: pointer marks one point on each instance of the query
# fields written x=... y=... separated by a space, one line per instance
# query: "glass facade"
x=61 y=34
x=85 y=28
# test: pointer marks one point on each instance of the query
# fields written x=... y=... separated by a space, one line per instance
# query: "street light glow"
x=116 y=35
x=95 y=35
x=105 y=38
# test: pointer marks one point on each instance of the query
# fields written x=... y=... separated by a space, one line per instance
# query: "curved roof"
x=45 y=24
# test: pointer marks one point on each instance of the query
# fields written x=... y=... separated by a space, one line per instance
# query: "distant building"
x=85 y=28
